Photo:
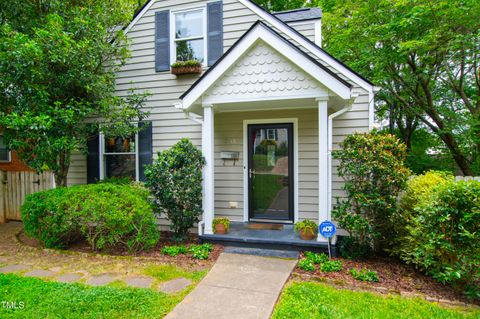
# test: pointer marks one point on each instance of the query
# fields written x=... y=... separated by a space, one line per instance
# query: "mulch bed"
x=156 y=252
x=394 y=277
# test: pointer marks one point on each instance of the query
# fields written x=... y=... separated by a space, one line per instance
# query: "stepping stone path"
x=39 y=273
x=69 y=277
x=175 y=285
x=12 y=268
x=139 y=282
x=101 y=280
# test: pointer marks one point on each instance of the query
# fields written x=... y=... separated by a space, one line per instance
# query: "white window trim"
x=9 y=160
x=102 y=155
x=294 y=121
x=173 y=47
x=274 y=131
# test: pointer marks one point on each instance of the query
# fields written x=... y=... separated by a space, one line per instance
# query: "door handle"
x=250 y=173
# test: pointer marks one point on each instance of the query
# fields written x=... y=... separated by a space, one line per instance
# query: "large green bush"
x=373 y=167
x=420 y=188
x=47 y=217
x=418 y=193
x=444 y=235
x=175 y=180
x=105 y=215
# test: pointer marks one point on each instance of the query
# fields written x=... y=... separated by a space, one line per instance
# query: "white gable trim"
x=261 y=32
x=139 y=16
x=307 y=44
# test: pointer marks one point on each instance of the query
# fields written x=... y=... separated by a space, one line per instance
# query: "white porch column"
x=323 y=168
x=208 y=171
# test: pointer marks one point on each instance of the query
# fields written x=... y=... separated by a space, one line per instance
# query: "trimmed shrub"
x=420 y=188
x=175 y=180
x=445 y=236
x=373 y=167
x=47 y=217
x=105 y=215
x=417 y=194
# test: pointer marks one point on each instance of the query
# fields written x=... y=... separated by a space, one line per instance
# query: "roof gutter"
x=331 y=117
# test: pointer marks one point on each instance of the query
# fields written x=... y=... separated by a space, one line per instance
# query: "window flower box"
x=187 y=67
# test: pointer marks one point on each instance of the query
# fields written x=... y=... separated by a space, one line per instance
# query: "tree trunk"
x=62 y=172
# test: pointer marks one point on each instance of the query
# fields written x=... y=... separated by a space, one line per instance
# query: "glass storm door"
x=270 y=171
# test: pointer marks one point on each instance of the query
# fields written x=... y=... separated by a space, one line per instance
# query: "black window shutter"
x=93 y=160
x=215 y=31
x=162 y=41
x=145 y=148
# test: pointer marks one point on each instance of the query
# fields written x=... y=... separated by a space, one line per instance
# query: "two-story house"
x=267 y=109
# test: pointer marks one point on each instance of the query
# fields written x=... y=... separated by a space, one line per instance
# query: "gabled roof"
x=302 y=14
x=290 y=32
x=260 y=31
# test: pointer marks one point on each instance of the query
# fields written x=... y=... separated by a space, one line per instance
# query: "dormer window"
x=189 y=38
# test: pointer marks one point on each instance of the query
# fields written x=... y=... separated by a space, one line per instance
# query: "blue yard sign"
x=327 y=229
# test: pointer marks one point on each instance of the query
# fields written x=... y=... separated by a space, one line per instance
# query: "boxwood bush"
x=418 y=193
x=105 y=215
x=175 y=181
x=443 y=237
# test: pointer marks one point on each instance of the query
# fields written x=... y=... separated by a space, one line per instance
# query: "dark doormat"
x=261 y=226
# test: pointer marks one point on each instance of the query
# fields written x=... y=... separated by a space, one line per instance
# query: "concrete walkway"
x=238 y=286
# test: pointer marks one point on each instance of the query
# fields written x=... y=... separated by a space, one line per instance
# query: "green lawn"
x=312 y=300
x=57 y=300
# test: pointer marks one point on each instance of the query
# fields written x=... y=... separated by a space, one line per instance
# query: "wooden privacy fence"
x=467 y=178
x=14 y=188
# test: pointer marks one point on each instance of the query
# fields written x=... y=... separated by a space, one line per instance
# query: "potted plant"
x=307 y=229
x=187 y=67
x=221 y=225
x=111 y=141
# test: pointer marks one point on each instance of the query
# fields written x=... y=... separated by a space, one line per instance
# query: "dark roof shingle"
x=299 y=14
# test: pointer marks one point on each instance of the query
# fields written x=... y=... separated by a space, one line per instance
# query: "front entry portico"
x=273 y=105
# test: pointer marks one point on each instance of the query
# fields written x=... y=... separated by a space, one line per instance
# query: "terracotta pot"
x=187 y=70
x=220 y=229
x=307 y=234
x=111 y=141
x=126 y=145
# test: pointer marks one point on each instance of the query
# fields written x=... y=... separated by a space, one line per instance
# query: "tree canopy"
x=424 y=55
x=58 y=61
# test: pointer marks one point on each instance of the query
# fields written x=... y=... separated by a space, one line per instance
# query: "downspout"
x=198 y=120
x=331 y=117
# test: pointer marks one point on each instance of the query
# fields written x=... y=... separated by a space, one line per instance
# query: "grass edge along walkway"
x=44 y=299
x=316 y=300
